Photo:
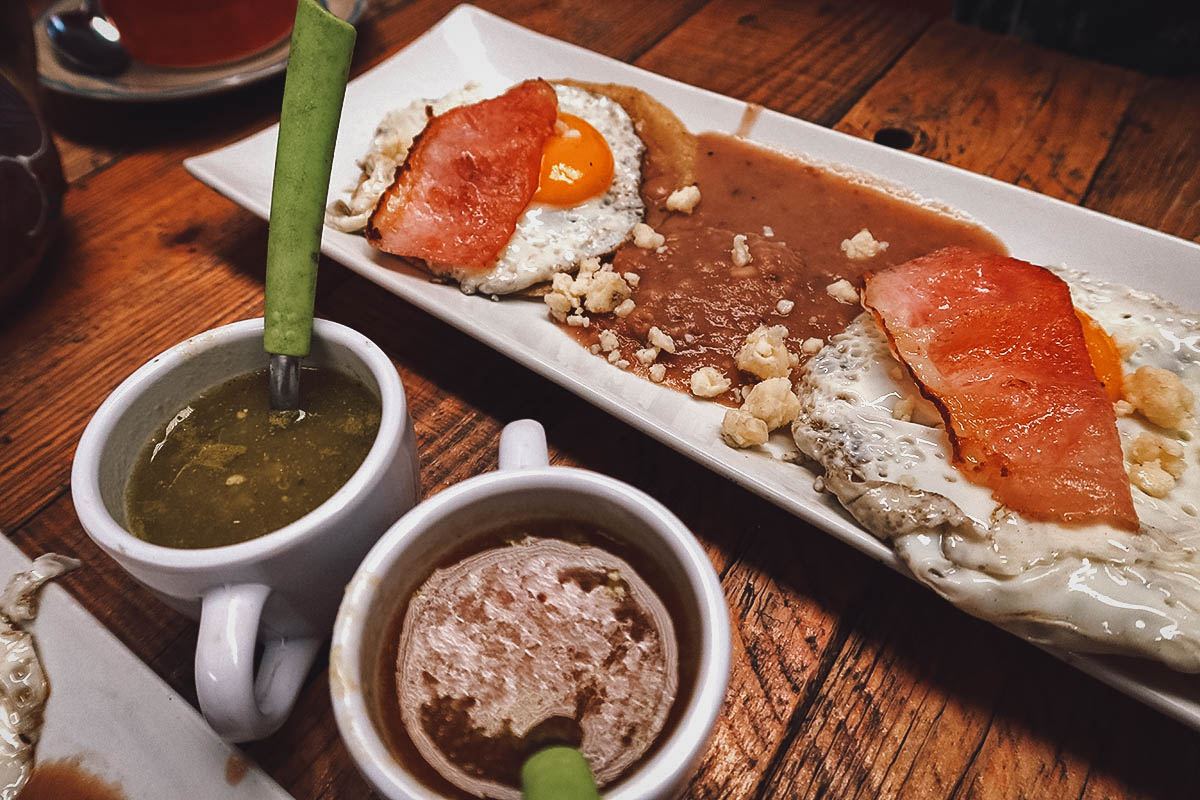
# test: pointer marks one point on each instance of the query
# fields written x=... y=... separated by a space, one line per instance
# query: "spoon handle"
x=558 y=773
x=318 y=64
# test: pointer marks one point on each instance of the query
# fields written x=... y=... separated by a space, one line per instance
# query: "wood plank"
x=810 y=59
x=1150 y=175
x=1019 y=113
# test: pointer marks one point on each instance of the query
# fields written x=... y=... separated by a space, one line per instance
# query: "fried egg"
x=588 y=196
x=1093 y=587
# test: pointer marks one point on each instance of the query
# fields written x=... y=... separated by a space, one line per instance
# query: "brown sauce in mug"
x=500 y=758
x=693 y=287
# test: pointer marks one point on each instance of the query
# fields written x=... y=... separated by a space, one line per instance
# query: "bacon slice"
x=467 y=179
x=995 y=344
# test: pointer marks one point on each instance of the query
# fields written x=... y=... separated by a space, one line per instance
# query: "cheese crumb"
x=632 y=278
x=609 y=341
x=684 y=200
x=709 y=382
x=657 y=373
x=605 y=292
x=765 y=353
x=578 y=321
x=811 y=345
x=785 y=307
x=773 y=402
x=741 y=251
x=843 y=291
x=862 y=246
x=622 y=363
x=625 y=309
x=768 y=231
x=614 y=356
x=658 y=339
x=1160 y=395
x=647 y=355
x=646 y=237
x=741 y=429
x=1123 y=408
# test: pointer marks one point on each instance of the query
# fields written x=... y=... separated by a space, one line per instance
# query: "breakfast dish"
x=1010 y=496
x=1028 y=225
x=108 y=730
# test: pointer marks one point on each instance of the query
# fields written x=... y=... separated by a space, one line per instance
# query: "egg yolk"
x=1106 y=357
x=576 y=164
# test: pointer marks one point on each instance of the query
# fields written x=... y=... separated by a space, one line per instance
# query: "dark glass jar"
x=31 y=180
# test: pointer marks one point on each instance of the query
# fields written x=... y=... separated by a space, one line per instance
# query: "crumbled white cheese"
x=811 y=345
x=843 y=291
x=647 y=355
x=605 y=292
x=658 y=372
x=689 y=338
x=1161 y=396
x=773 y=402
x=622 y=363
x=1124 y=408
x=765 y=353
x=741 y=429
x=614 y=356
x=768 y=231
x=625 y=309
x=1156 y=464
x=657 y=338
x=646 y=237
x=632 y=278
x=785 y=307
x=741 y=251
x=862 y=245
x=708 y=382
x=684 y=200
x=609 y=341
x=578 y=321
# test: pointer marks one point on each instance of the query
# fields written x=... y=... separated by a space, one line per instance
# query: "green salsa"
x=227 y=469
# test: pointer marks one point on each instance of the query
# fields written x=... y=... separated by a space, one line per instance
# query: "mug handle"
x=523 y=445
x=239 y=704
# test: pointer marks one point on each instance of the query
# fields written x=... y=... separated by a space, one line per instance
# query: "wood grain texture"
x=1149 y=175
x=808 y=59
x=1022 y=114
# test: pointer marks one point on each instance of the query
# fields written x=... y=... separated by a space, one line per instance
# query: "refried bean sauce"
x=693 y=287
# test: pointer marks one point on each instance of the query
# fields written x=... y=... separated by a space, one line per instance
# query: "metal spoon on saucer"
x=86 y=41
x=318 y=65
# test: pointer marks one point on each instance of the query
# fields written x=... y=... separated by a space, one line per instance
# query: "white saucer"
x=143 y=82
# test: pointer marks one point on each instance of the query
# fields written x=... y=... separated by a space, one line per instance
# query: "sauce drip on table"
x=693 y=286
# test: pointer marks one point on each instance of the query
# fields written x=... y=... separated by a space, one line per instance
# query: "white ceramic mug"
x=282 y=588
x=526 y=487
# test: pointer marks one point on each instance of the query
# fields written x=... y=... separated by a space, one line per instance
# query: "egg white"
x=1084 y=587
x=547 y=239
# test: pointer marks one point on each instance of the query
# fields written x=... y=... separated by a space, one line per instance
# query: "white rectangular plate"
x=116 y=719
x=472 y=45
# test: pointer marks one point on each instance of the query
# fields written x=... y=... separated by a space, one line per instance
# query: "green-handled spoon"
x=558 y=772
x=318 y=63
x=554 y=768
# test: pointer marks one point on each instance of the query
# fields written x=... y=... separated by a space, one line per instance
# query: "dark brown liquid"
x=233 y=470
x=686 y=633
x=694 y=287
x=65 y=780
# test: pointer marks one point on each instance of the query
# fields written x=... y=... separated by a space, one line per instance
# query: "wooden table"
x=848 y=680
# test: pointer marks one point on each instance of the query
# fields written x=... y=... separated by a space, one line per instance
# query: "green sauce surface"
x=227 y=469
